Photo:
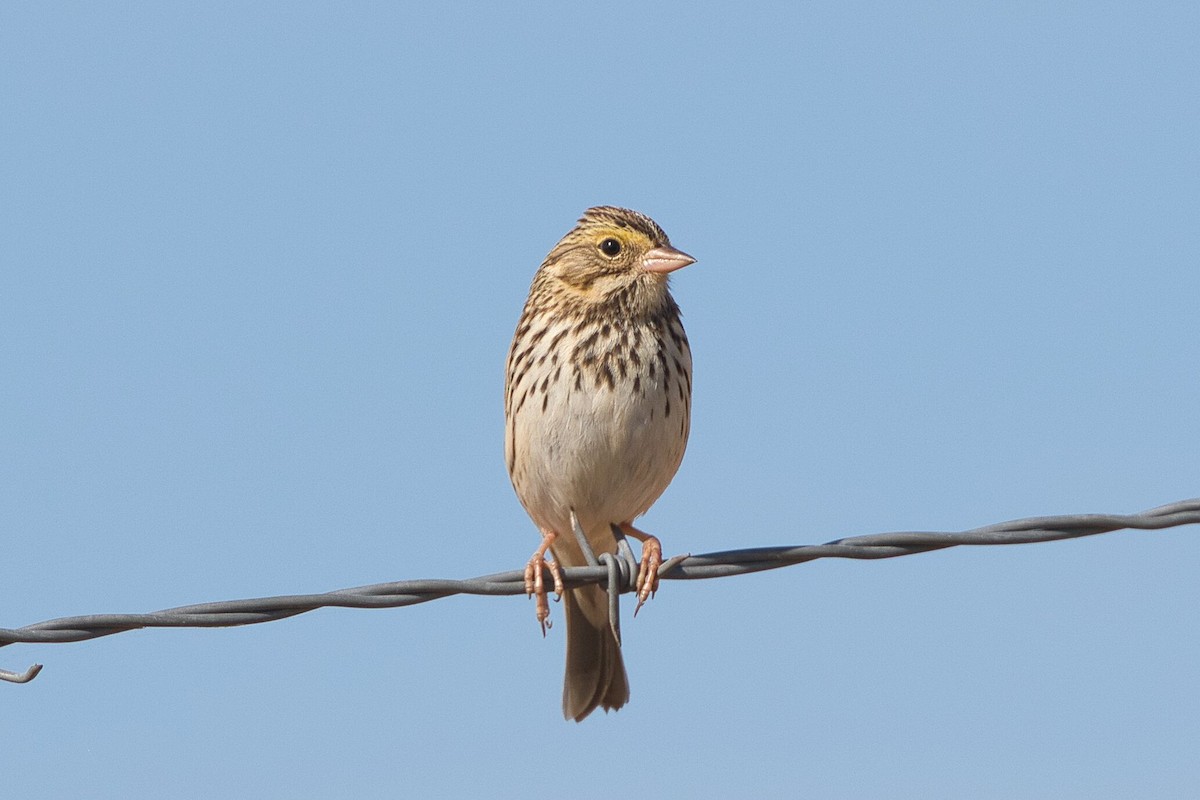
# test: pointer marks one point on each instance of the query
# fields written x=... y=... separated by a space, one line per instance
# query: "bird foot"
x=647 y=577
x=535 y=582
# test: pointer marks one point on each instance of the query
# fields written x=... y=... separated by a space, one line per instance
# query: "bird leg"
x=647 y=577
x=535 y=584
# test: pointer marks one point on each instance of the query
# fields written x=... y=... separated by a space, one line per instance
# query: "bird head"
x=614 y=255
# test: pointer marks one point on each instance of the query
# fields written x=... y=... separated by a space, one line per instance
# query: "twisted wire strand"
x=711 y=565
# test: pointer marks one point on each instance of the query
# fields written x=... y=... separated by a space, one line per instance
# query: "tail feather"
x=595 y=670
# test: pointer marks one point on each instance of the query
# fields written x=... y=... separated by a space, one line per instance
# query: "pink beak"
x=665 y=259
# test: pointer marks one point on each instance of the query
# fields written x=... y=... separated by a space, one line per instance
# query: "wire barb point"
x=21 y=677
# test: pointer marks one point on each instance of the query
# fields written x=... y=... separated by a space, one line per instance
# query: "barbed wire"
x=618 y=573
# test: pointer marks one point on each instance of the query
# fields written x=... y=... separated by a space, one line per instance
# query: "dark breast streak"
x=598 y=354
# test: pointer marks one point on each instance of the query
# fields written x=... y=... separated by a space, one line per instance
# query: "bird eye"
x=610 y=247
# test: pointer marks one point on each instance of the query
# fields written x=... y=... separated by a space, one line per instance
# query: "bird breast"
x=598 y=418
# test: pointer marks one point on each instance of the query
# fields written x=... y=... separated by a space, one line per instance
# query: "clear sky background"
x=260 y=267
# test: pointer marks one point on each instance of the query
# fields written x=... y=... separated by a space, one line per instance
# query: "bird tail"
x=595 y=670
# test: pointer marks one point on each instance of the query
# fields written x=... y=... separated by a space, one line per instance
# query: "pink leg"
x=535 y=584
x=647 y=578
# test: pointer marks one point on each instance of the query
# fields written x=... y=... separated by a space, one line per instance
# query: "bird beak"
x=665 y=259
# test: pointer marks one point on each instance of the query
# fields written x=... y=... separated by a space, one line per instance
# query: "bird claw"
x=535 y=586
x=647 y=577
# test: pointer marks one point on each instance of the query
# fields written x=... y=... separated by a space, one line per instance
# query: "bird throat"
x=642 y=298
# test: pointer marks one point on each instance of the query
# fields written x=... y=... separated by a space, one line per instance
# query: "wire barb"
x=21 y=677
x=617 y=573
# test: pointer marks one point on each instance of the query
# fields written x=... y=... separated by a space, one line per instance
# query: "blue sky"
x=260 y=270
